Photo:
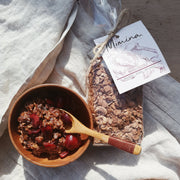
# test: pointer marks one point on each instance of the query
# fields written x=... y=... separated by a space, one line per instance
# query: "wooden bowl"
x=73 y=103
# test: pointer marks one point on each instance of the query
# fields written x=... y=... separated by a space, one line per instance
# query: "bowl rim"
x=40 y=86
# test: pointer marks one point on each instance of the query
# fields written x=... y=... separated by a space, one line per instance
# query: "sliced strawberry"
x=49 y=146
x=35 y=120
x=63 y=154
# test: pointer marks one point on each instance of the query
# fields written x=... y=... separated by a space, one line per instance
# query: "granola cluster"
x=41 y=127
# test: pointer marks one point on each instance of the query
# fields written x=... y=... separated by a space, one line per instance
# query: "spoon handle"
x=116 y=142
x=125 y=145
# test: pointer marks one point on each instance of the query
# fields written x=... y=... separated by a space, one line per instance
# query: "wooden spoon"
x=78 y=127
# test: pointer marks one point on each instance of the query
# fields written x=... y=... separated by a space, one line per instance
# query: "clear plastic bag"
x=104 y=13
x=114 y=114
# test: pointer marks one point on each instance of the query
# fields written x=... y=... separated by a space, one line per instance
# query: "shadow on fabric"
x=79 y=169
x=8 y=155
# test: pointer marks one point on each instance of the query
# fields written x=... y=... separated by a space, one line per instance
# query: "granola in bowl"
x=41 y=127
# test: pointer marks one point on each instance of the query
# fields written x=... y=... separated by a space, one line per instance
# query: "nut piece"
x=100 y=110
x=39 y=139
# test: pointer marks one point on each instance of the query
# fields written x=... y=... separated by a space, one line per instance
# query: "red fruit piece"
x=33 y=131
x=63 y=154
x=59 y=102
x=72 y=142
x=47 y=131
x=66 y=119
x=35 y=120
x=49 y=146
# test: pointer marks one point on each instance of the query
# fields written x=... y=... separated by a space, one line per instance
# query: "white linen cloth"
x=160 y=157
x=31 y=37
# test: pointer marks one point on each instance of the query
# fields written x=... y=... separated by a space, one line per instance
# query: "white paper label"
x=133 y=57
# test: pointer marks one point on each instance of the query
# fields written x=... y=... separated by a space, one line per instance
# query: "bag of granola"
x=114 y=114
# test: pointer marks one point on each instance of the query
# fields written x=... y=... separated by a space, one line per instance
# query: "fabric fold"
x=34 y=65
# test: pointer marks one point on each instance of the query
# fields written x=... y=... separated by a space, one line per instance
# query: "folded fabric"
x=31 y=37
